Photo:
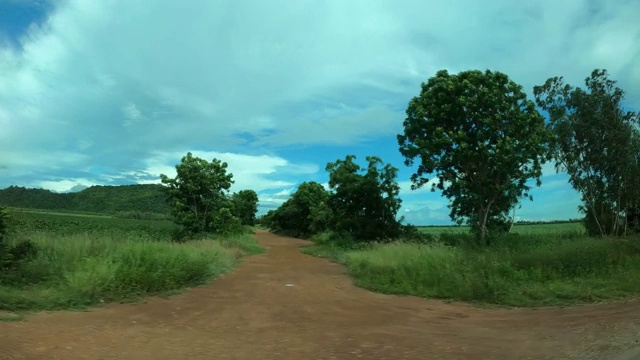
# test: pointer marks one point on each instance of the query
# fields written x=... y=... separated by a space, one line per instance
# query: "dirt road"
x=253 y=314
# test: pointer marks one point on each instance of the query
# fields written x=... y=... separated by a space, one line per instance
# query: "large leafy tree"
x=245 y=206
x=596 y=142
x=364 y=201
x=198 y=195
x=482 y=140
x=296 y=215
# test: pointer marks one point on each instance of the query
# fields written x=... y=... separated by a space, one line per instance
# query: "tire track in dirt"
x=252 y=314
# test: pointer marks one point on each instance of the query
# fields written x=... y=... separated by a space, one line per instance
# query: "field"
x=81 y=260
x=523 y=229
x=537 y=265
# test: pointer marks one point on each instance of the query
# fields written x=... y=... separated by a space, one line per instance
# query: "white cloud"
x=132 y=114
x=108 y=91
x=66 y=185
x=249 y=171
x=207 y=75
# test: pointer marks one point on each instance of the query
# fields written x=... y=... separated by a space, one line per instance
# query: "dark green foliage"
x=364 y=205
x=412 y=234
x=98 y=199
x=598 y=144
x=4 y=220
x=198 y=196
x=321 y=217
x=11 y=255
x=479 y=137
x=299 y=216
x=245 y=206
x=68 y=224
x=266 y=220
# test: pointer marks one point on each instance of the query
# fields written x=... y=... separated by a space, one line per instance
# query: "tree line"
x=142 y=198
x=201 y=202
x=477 y=138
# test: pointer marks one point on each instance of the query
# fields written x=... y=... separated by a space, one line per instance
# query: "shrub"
x=514 y=270
x=411 y=234
x=80 y=270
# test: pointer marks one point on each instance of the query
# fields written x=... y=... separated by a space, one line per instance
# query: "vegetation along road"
x=287 y=305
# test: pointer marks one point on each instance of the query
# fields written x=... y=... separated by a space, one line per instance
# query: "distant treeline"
x=570 y=221
x=522 y=222
x=116 y=200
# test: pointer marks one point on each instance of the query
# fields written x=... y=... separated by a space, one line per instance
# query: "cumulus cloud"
x=111 y=88
x=66 y=185
x=258 y=173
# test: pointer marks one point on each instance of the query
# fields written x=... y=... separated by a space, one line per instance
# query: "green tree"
x=364 y=205
x=245 y=206
x=4 y=216
x=482 y=140
x=198 y=195
x=267 y=219
x=295 y=216
x=596 y=142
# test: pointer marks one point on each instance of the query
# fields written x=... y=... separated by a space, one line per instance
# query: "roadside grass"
x=517 y=270
x=79 y=270
x=10 y=317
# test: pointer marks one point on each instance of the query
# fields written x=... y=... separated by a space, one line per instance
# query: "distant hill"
x=99 y=199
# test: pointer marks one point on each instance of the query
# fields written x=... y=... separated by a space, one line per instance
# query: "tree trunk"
x=595 y=217
x=513 y=219
x=483 y=215
x=590 y=202
x=626 y=221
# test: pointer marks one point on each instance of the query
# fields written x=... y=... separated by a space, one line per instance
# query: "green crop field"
x=523 y=229
x=58 y=223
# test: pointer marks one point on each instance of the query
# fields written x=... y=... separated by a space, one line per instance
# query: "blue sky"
x=115 y=92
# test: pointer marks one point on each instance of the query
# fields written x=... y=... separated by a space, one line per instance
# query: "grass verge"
x=519 y=271
x=75 y=271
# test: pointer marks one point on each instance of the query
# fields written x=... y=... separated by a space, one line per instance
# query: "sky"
x=116 y=92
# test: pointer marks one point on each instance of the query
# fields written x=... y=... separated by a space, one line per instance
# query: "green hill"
x=97 y=199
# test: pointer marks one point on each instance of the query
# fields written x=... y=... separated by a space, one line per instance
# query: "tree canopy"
x=364 y=205
x=481 y=140
x=245 y=206
x=198 y=195
x=598 y=144
x=294 y=216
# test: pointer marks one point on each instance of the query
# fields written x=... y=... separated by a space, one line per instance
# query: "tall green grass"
x=78 y=270
x=516 y=270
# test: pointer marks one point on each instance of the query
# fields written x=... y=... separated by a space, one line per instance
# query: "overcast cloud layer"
x=114 y=92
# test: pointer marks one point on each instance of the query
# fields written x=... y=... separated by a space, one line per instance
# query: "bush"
x=459 y=240
x=80 y=270
x=12 y=254
x=411 y=234
x=4 y=219
x=514 y=270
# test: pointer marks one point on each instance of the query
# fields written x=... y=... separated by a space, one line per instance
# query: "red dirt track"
x=252 y=314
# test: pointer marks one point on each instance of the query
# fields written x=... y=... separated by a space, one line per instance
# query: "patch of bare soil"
x=252 y=313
